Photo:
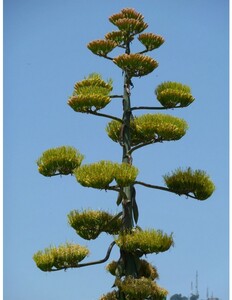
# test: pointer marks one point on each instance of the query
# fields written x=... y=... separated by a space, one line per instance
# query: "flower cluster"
x=171 y=94
x=117 y=37
x=150 y=127
x=62 y=160
x=110 y=296
x=129 y=21
x=150 y=40
x=64 y=256
x=90 y=223
x=145 y=269
x=140 y=289
x=92 y=93
x=186 y=182
x=99 y=175
x=145 y=241
x=101 y=47
x=136 y=65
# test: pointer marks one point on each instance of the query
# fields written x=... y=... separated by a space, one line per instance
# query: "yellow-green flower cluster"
x=144 y=269
x=196 y=182
x=147 y=270
x=150 y=127
x=110 y=296
x=91 y=93
x=62 y=160
x=101 y=47
x=117 y=37
x=140 y=289
x=129 y=21
x=147 y=241
x=64 y=256
x=150 y=40
x=171 y=94
x=90 y=223
x=99 y=175
x=136 y=65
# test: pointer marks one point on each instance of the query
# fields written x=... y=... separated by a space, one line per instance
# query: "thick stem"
x=126 y=144
x=127 y=218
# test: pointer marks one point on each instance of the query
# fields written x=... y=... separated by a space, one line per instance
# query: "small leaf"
x=134 y=205
x=119 y=199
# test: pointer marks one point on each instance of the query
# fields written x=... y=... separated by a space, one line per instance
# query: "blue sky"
x=44 y=55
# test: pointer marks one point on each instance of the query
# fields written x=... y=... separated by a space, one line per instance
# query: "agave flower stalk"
x=135 y=277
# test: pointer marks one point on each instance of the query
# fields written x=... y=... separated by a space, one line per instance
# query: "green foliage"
x=140 y=289
x=101 y=47
x=150 y=127
x=99 y=175
x=136 y=65
x=147 y=241
x=129 y=21
x=150 y=40
x=62 y=160
x=185 y=182
x=92 y=93
x=90 y=223
x=65 y=256
x=171 y=94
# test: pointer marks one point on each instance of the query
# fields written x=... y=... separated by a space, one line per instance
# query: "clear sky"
x=44 y=55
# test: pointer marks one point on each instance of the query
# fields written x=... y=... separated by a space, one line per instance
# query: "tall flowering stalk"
x=135 y=278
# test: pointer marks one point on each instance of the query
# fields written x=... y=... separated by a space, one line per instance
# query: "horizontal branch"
x=90 y=263
x=104 y=115
x=144 y=144
x=107 y=57
x=116 y=188
x=116 y=96
x=162 y=188
x=154 y=108
x=144 y=51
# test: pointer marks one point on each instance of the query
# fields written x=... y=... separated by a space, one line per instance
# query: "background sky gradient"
x=44 y=55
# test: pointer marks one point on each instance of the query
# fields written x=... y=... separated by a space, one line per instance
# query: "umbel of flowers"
x=135 y=277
